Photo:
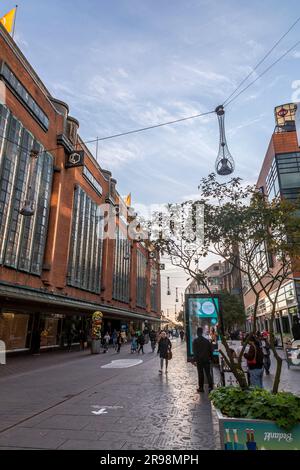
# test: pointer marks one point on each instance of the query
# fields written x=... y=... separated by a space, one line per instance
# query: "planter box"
x=253 y=434
x=95 y=346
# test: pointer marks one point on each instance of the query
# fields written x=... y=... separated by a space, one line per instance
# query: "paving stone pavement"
x=50 y=405
x=47 y=402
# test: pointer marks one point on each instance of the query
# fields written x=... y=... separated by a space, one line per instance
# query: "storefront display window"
x=50 y=331
x=13 y=330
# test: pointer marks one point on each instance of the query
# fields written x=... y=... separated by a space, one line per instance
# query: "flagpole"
x=15 y=19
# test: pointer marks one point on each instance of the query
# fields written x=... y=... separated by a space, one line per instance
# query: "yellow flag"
x=128 y=200
x=8 y=20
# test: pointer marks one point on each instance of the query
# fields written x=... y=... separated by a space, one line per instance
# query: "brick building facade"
x=55 y=266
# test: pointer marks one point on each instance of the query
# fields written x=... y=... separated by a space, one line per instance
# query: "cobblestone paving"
x=51 y=405
x=47 y=402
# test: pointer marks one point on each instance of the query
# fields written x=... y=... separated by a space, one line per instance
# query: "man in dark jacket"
x=203 y=355
x=296 y=329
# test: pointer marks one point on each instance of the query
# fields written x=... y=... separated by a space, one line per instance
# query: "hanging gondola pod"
x=224 y=163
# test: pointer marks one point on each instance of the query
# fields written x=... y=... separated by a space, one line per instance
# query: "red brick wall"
x=64 y=180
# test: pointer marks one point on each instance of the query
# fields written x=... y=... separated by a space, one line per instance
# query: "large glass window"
x=85 y=255
x=22 y=239
x=50 y=333
x=13 y=330
x=154 y=288
x=272 y=183
x=24 y=96
x=289 y=174
x=141 y=284
x=92 y=180
x=122 y=263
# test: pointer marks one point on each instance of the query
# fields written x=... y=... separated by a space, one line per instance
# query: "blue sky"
x=126 y=64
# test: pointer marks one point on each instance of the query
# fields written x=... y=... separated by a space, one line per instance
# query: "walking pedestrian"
x=106 y=341
x=133 y=344
x=296 y=329
x=70 y=339
x=164 y=350
x=152 y=336
x=114 y=339
x=119 y=342
x=141 y=342
x=203 y=356
x=181 y=335
x=36 y=342
x=255 y=360
x=266 y=352
x=81 y=339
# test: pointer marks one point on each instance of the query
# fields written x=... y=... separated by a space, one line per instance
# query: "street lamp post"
x=168 y=286
x=28 y=208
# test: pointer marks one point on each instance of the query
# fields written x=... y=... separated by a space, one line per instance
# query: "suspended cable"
x=114 y=135
x=262 y=60
x=149 y=127
x=263 y=73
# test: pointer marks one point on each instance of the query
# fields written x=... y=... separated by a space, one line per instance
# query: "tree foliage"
x=258 y=237
x=232 y=310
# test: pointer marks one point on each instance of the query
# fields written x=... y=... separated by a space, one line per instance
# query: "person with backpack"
x=255 y=362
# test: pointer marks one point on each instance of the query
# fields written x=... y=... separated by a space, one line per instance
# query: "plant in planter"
x=96 y=332
x=257 y=419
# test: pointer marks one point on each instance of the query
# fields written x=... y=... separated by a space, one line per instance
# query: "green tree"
x=233 y=311
x=258 y=237
x=180 y=317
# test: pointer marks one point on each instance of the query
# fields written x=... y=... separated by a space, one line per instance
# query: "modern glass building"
x=280 y=177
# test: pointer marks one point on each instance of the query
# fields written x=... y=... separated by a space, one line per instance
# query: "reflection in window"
x=22 y=239
x=141 y=284
x=289 y=174
x=272 y=183
x=122 y=262
x=85 y=256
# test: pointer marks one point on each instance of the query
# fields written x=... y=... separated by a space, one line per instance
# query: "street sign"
x=74 y=159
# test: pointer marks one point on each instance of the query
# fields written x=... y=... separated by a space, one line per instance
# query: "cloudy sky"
x=125 y=64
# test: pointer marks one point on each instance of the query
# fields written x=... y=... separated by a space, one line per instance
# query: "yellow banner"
x=128 y=200
x=8 y=20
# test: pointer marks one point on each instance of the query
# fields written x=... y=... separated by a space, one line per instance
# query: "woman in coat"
x=164 y=348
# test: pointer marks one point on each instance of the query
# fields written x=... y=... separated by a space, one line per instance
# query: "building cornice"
x=29 y=69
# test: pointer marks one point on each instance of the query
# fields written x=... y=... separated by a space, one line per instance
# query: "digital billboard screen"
x=201 y=310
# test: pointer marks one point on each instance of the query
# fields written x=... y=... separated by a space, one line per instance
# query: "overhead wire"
x=228 y=101
x=263 y=73
x=142 y=129
x=262 y=60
